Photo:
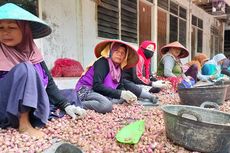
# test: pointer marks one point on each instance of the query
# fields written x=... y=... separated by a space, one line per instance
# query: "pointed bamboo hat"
x=132 y=58
x=10 y=11
x=184 y=52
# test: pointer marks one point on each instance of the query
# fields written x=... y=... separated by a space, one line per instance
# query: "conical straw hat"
x=10 y=11
x=184 y=52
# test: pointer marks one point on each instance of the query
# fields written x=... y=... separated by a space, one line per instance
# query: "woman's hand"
x=160 y=84
x=128 y=96
x=74 y=111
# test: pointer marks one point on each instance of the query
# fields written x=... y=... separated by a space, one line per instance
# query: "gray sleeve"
x=168 y=62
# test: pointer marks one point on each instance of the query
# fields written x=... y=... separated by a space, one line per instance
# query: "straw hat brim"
x=132 y=56
x=38 y=27
x=184 y=52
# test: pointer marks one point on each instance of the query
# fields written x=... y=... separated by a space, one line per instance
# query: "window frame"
x=197 y=24
x=179 y=18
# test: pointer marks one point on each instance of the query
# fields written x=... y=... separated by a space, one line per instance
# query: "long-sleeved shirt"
x=96 y=78
x=169 y=66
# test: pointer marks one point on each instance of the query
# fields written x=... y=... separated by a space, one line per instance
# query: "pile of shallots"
x=96 y=132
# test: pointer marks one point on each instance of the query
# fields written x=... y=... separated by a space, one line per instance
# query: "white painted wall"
x=63 y=42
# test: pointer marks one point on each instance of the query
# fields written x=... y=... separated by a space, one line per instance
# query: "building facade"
x=78 y=25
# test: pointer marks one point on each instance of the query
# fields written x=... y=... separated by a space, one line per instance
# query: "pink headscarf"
x=25 y=51
x=140 y=52
x=115 y=70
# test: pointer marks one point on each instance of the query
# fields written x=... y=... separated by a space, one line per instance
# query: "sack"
x=65 y=67
x=186 y=83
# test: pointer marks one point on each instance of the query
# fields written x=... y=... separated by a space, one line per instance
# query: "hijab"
x=199 y=60
x=212 y=66
x=115 y=69
x=141 y=52
x=217 y=58
x=24 y=51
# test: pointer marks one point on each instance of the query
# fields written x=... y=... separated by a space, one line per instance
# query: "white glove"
x=72 y=110
x=128 y=96
x=159 y=84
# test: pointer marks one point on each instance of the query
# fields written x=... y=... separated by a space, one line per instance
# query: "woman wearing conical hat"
x=170 y=65
x=26 y=86
x=137 y=79
x=100 y=87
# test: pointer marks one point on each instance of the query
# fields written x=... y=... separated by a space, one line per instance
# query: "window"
x=197 y=39
x=173 y=28
x=163 y=4
x=108 y=19
x=227 y=43
x=111 y=26
x=177 y=20
x=29 y=5
x=216 y=40
x=129 y=21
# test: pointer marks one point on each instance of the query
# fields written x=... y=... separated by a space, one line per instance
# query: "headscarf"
x=107 y=52
x=25 y=51
x=199 y=60
x=217 y=58
x=147 y=61
x=212 y=66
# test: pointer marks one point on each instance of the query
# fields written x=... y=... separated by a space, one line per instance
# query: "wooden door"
x=144 y=22
x=161 y=31
x=193 y=43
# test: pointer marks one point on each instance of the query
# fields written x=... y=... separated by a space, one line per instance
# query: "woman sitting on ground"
x=199 y=59
x=170 y=65
x=137 y=78
x=101 y=85
x=213 y=67
x=26 y=86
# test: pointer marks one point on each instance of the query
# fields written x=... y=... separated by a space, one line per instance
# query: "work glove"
x=160 y=84
x=128 y=96
x=73 y=111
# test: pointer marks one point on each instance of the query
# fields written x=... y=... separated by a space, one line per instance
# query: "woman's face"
x=221 y=62
x=175 y=51
x=10 y=33
x=118 y=55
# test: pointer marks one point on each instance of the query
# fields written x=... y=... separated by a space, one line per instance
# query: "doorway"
x=144 y=21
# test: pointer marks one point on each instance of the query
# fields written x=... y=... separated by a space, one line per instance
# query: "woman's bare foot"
x=26 y=127
x=31 y=132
